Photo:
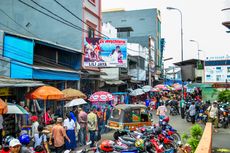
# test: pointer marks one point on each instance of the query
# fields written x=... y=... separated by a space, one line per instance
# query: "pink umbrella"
x=155 y=90
x=101 y=96
x=161 y=86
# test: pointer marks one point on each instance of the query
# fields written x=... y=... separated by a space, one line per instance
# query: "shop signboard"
x=105 y=52
x=217 y=69
x=5 y=92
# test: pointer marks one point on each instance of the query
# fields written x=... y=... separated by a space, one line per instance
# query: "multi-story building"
x=137 y=26
x=65 y=23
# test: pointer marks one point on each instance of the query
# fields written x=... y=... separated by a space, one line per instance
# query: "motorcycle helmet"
x=139 y=143
x=166 y=119
x=24 y=139
x=6 y=142
x=107 y=145
x=158 y=130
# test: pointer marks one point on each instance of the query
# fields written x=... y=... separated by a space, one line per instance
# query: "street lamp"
x=198 y=48
x=172 y=8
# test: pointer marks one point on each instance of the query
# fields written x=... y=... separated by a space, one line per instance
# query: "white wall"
x=109 y=30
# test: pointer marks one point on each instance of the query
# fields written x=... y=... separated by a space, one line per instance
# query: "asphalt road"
x=221 y=139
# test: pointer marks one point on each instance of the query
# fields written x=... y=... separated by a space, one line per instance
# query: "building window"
x=124 y=34
x=91 y=32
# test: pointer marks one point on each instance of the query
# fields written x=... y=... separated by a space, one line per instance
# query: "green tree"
x=193 y=139
x=224 y=96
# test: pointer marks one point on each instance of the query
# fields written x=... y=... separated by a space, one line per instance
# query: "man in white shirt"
x=213 y=114
x=35 y=125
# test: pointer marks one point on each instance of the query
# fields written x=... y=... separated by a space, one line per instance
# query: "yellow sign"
x=5 y=92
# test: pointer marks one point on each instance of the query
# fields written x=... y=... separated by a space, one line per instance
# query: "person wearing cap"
x=58 y=133
x=212 y=112
x=15 y=146
x=34 y=128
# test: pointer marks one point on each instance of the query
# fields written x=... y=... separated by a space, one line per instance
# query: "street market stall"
x=11 y=119
x=45 y=93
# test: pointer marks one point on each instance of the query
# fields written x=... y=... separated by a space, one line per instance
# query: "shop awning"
x=114 y=82
x=7 y=82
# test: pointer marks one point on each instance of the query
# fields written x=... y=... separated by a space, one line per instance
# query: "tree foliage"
x=224 y=96
x=194 y=138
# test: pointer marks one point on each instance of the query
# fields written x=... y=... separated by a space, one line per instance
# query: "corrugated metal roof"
x=45 y=42
x=7 y=82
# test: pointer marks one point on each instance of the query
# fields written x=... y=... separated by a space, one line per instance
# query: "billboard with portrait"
x=105 y=52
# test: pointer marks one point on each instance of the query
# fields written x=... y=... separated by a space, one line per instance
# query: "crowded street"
x=114 y=76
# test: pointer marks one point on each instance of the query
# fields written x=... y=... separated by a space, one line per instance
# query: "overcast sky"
x=202 y=21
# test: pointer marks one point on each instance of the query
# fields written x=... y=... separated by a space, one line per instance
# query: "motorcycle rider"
x=25 y=140
x=15 y=146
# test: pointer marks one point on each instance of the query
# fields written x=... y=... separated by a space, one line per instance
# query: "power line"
x=68 y=23
x=77 y=17
x=17 y=23
x=9 y=28
x=83 y=20
x=83 y=30
x=49 y=15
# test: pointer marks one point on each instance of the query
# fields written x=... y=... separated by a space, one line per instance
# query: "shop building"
x=137 y=26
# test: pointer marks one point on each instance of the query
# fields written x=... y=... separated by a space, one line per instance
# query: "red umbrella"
x=101 y=96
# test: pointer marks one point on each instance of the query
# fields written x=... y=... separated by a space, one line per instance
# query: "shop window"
x=125 y=34
x=91 y=33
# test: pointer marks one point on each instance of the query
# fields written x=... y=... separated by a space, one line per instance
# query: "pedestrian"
x=192 y=112
x=15 y=146
x=100 y=122
x=92 y=125
x=182 y=108
x=47 y=117
x=161 y=110
x=82 y=120
x=58 y=133
x=72 y=115
x=35 y=124
x=40 y=139
x=1 y=127
x=70 y=127
x=106 y=115
x=212 y=113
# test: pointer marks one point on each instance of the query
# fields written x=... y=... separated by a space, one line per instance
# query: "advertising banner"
x=105 y=52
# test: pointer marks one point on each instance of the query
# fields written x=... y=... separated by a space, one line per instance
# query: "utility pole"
x=150 y=58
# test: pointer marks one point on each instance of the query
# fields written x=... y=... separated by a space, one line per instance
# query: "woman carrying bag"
x=41 y=140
